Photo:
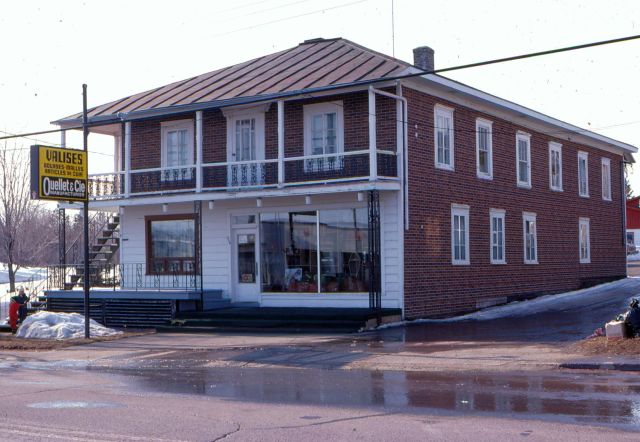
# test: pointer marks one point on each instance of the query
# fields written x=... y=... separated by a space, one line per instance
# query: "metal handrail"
x=98 y=230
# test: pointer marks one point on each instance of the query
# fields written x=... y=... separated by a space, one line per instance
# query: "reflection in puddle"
x=74 y=404
x=607 y=398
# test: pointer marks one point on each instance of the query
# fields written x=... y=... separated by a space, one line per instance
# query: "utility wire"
x=415 y=74
x=289 y=18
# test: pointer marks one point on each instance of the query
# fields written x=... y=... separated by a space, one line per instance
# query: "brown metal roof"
x=313 y=64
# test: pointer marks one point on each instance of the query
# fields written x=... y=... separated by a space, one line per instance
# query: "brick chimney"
x=423 y=58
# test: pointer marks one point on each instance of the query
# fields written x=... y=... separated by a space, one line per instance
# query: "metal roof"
x=313 y=64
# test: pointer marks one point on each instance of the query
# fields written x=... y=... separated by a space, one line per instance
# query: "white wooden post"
x=199 y=151
x=373 y=155
x=280 y=143
x=63 y=138
x=127 y=159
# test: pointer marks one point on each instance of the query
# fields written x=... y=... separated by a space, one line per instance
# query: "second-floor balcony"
x=338 y=140
x=237 y=176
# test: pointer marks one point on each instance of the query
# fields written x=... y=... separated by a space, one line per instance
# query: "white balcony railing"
x=244 y=175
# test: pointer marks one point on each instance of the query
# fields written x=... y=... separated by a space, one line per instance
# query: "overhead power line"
x=415 y=74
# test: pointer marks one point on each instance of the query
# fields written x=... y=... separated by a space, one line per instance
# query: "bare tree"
x=23 y=238
x=628 y=169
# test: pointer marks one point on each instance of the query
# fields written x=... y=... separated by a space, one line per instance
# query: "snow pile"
x=50 y=325
x=634 y=257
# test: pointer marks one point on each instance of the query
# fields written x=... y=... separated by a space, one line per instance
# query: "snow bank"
x=516 y=309
x=49 y=325
x=634 y=257
x=25 y=274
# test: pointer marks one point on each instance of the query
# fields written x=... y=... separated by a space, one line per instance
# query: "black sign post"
x=85 y=132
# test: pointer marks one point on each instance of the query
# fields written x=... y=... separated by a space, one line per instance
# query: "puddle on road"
x=607 y=398
x=74 y=405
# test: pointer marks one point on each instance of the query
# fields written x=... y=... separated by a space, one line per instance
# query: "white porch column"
x=63 y=138
x=199 y=151
x=280 y=143
x=373 y=157
x=127 y=159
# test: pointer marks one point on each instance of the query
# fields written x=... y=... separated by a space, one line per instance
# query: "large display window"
x=314 y=251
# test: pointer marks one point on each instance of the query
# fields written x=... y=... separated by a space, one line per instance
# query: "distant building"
x=633 y=221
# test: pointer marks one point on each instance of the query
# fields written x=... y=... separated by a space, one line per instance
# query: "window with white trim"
x=496 y=218
x=530 y=238
x=459 y=234
x=583 y=174
x=584 y=241
x=484 y=149
x=523 y=159
x=555 y=166
x=606 y=179
x=177 y=150
x=324 y=135
x=443 y=130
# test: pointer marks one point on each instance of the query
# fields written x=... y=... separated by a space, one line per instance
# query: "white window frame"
x=445 y=112
x=606 y=185
x=485 y=124
x=170 y=126
x=235 y=114
x=555 y=147
x=460 y=210
x=311 y=110
x=524 y=137
x=497 y=213
x=583 y=156
x=584 y=223
x=529 y=217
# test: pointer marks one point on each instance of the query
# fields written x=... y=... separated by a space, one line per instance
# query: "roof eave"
x=626 y=149
x=193 y=107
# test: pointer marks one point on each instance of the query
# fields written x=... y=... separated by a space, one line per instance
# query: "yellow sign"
x=59 y=174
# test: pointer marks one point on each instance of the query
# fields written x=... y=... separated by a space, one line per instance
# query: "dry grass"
x=602 y=345
x=10 y=342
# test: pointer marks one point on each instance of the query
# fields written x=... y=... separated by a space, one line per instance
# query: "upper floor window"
x=496 y=219
x=523 y=159
x=606 y=179
x=443 y=129
x=459 y=234
x=484 y=153
x=584 y=241
x=583 y=174
x=323 y=128
x=323 y=134
x=177 y=150
x=555 y=166
x=530 y=238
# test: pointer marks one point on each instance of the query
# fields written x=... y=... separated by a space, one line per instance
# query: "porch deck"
x=183 y=310
x=285 y=318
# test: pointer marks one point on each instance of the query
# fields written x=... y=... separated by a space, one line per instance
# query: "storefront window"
x=289 y=251
x=343 y=245
x=171 y=243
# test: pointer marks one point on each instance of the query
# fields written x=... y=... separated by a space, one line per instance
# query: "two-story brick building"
x=329 y=175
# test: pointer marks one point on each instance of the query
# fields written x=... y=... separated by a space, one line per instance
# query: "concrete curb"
x=619 y=366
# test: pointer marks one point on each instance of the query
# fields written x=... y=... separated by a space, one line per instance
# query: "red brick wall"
x=145 y=135
x=214 y=137
x=433 y=286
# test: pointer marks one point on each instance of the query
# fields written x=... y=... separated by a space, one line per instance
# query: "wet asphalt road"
x=170 y=393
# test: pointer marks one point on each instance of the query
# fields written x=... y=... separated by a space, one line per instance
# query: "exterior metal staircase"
x=102 y=251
